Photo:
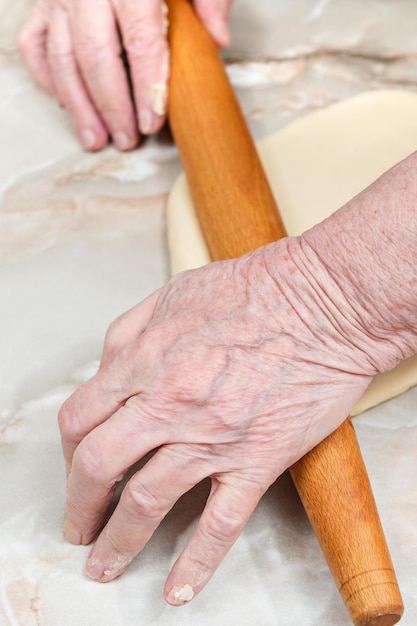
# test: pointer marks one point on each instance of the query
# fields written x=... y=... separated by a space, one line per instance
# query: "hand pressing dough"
x=314 y=166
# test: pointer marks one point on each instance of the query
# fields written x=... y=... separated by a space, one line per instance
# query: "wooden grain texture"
x=228 y=183
x=238 y=213
x=343 y=513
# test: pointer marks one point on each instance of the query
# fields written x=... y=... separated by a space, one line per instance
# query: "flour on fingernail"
x=180 y=594
x=186 y=593
x=159 y=88
x=160 y=95
x=108 y=569
x=117 y=565
x=165 y=21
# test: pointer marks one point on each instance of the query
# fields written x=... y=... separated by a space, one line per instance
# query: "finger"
x=91 y=405
x=145 y=501
x=97 y=49
x=143 y=29
x=100 y=461
x=128 y=327
x=105 y=393
x=215 y=16
x=68 y=84
x=32 y=46
x=227 y=510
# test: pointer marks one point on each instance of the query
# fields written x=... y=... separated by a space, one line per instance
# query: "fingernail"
x=160 y=96
x=180 y=594
x=145 y=121
x=88 y=139
x=122 y=141
x=109 y=568
x=71 y=534
x=94 y=567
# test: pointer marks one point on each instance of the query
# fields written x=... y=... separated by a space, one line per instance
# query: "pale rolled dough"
x=314 y=166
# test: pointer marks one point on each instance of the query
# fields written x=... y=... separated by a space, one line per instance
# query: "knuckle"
x=112 y=334
x=141 y=501
x=68 y=424
x=121 y=544
x=60 y=60
x=204 y=561
x=92 y=55
x=222 y=526
x=142 y=37
x=90 y=462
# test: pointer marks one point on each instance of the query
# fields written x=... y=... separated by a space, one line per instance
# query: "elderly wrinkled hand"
x=74 y=49
x=232 y=371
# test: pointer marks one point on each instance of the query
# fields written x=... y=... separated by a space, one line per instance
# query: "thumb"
x=215 y=16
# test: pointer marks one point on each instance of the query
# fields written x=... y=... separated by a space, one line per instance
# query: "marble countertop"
x=82 y=238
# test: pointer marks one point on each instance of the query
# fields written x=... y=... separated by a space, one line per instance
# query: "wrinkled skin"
x=230 y=371
x=73 y=50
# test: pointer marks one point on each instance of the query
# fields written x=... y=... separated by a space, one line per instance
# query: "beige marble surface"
x=82 y=238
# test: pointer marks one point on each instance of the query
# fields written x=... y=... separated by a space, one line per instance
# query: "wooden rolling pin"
x=238 y=213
